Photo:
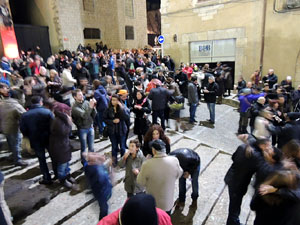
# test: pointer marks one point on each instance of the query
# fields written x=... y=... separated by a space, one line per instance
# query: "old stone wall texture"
x=67 y=19
x=196 y=20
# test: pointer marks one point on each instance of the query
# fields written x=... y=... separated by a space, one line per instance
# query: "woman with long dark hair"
x=141 y=107
x=115 y=117
x=155 y=132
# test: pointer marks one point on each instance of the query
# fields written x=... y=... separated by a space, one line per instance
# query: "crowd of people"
x=271 y=151
x=95 y=94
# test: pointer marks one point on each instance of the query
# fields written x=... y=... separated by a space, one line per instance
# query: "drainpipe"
x=263 y=31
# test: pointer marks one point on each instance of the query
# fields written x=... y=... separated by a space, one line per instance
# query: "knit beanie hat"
x=139 y=210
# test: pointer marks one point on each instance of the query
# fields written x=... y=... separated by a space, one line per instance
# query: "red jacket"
x=113 y=218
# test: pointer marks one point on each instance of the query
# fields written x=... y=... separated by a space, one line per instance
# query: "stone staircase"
x=35 y=204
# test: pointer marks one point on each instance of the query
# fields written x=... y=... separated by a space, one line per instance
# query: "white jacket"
x=67 y=79
x=158 y=175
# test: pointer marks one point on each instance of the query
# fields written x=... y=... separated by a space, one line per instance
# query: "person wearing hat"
x=246 y=98
x=138 y=210
x=158 y=175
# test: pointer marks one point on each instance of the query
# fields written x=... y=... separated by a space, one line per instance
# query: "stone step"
x=220 y=211
x=90 y=214
x=80 y=202
x=251 y=218
x=211 y=186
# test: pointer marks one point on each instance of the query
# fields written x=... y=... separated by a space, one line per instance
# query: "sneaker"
x=67 y=184
x=21 y=163
x=71 y=179
x=46 y=182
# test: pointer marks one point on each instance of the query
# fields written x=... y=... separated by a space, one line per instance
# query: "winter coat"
x=193 y=93
x=67 y=79
x=189 y=160
x=211 y=96
x=159 y=97
x=254 y=112
x=35 y=124
x=83 y=115
x=130 y=178
x=241 y=85
x=10 y=115
x=100 y=95
x=286 y=133
x=140 y=122
x=59 y=142
x=278 y=208
x=81 y=74
x=113 y=218
x=116 y=128
x=246 y=100
x=243 y=167
x=158 y=175
x=228 y=80
x=182 y=80
x=99 y=181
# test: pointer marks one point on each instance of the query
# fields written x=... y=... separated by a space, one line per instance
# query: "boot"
x=244 y=130
x=176 y=126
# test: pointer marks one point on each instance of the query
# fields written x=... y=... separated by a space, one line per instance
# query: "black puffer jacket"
x=188 y=159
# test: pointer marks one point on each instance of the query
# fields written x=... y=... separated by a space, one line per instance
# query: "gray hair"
x=211 y=78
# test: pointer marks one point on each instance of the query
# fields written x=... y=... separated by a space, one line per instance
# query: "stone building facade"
x=102 y=20
x=263 y=32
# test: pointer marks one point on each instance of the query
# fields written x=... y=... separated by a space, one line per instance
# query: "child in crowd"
x=132 y=160
x=98 y=179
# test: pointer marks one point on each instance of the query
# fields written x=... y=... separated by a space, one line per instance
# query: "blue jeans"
x=193 y=108
x=116 y=141
x=161 y=115
x=61 y=170
x=40 y=153
x=100 y=122
x=86 y=137
x=14 y=144
x=211 y=108
x=195 y=186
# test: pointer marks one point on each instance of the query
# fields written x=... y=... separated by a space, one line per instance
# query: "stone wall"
x=194 y=20
x=67 y=19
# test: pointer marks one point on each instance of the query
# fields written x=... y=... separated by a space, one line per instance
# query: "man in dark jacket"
x=83 y=114
x=182 y=80
x=35 y=124
x=159 y=97
x=210 y=93
x=101 y=97
x=189 y=161
x=81 y=73
x=289 y=131
x=193 y=98
x=270 y=78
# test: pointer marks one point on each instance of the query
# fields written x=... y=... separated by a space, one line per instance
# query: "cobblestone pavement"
x=35 y=204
